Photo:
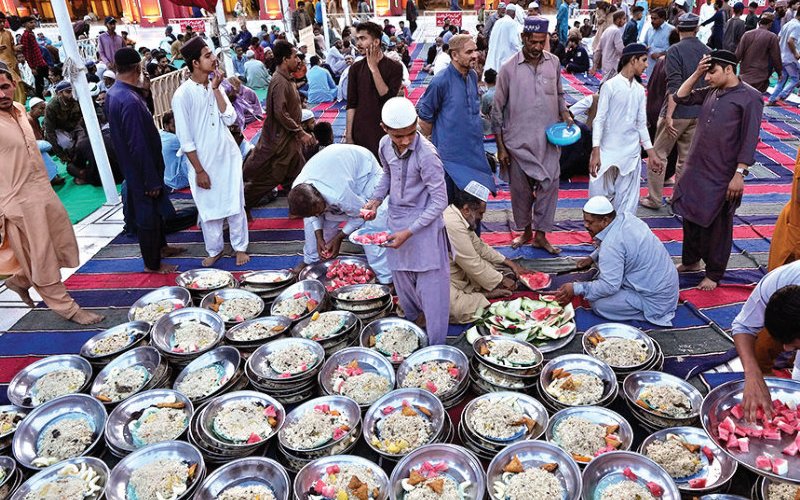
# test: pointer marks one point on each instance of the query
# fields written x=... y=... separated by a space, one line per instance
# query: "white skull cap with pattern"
x=398 y=112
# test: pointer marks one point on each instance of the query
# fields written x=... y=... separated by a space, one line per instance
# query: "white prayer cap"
x=250 y=54
x=307 y=115
x=34 y=101
x=533 y=5
x=94 y=89
x=87 y=18
x=398 y=112
x=598 y=205
x=109 y=74
x=477 y=190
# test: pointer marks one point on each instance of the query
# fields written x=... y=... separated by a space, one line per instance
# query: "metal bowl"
x=502 y=381
x=763 y=488
x=217 y=404
x=636 y=382
x=26 y=438
x=620 y=330
x=607 y=469
x=316 y=470
x=176 y=294
x=461 y=466
x=168 y=450
x=13 y=476
x=267 y=278
x=278 y=324
x=21 y=412
x=337 y=294
x=147 y=357
x=395 y=399
x=244 y=472
x=21 y=386
x=314 y=289
x=530 y=407
x=367 y=359
x=232 y=293
x=318 y=271
x=535 y=454
x=52 y=474
x=434 y=353
x=350 y=322
x=137 y=334
x=263 y=374
x=530 y=370
x=345 y=406
x=185 y=279
x=164 y=329
x=226 y=356
x=717 y=472
x=597 y=415
x=579 y=363
x=379 y=326
x=117 y=433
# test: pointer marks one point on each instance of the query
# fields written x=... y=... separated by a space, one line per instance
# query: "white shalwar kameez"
x=505 y=41
x=621 y=117
x=201 y=127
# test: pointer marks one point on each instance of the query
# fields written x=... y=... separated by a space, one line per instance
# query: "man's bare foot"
x=84 y=317
x=540 y=241
x=707 y=284
x=690 y=268
x=164 y=269
x=649 y=203
x=24 y=295
x=169 y=251
x=210 y=261
x=522 y=239
x=242 y=258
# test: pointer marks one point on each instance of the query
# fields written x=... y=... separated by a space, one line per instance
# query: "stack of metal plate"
x=159 y=302
x=636 y=388
x=763 y=485
x=353 y=362
x=430 y=362
x=311 y=292
x=317 y=475
x=611 y=469
x=335 y=339
x=513 y=416
x=492 y=373
x=252 y=334
x=163 y=335
x=374 y=334
x=11 y=416
x=653 y=359
x=38 y=484
x=286 y=387
x=267 y=284
x=201 y=282
x=249 y=472
x=533 y=454
x=23 y=390
x=145 y=361
x=612 y=423
x=108 y=344
x=454 y=462
x=214 y=300
x=216 y=372
x=368 y=301
x=12 y=476
x=576 y=364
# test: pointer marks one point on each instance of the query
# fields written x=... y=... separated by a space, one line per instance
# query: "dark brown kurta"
x=278 y=156
x=758 y=52
x=363 y=97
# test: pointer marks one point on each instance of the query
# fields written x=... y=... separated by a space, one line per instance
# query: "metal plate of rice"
x=605 y=478
x=257 y=331
x=82 y=478
x=320 y=424
x=587 y=432
x=126 y=375
x=267 y=278
x=242 y=419
x=778 y=490
x=148 y=417
x=234 y=305
x=187 y=333
x=621 y=346
x=440 y=369
x=342 y=476
x=585 y=371
x=115 y=340
x=395 y=338
x=246 y=479
x=403 y=420
x=663 y=395
x=48 y=379
x=208 y=374
x=205 y=280
x=10 y=418
x=450 y=468
x=159 y=302
x=503 y=418
x=300 y=300
x=533 y=470
x=358 y=373
x=286 y=360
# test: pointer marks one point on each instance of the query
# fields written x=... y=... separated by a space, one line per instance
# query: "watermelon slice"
x=699 y=482
x=780 y=466
x=737 y=411
x=791 y=450
x=535 y=280
x=656 y=489
x=763 y=462
x=771 y=434
x=744 y=444
x=708 y=453
x=728 y=424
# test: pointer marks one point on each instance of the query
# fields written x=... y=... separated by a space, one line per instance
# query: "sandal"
x=648 y=203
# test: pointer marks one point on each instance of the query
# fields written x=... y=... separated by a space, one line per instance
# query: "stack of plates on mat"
x=659 y=400
x=502 y=363
x=10 y=418
x=576 y=380
x=286 y=369
x=49 y=378
x=11 y=476
x=611 y=473
x=624 y=348
x=267 y=284
x=320 y=271
x=208 y=326
x=139 y=369
x=301 y=300
x=147 y=418
x=161 y=301
x=368 y=301
x=140 y=467
x=770 y=489
x=587 y=432
x=358 y=373
x=320 y=474
x=236 y=425
x=253 y=333
x=404 y=420
x=201 y=282
x=108 y=344
x=395 y=338
x=491 y=422
x=334 y=330
x=690 y=457
x=257 y=476
x=325 y=426
x=533 y=455
x=453 y=464
x=440 y=369
x=249 y=305
x=93 y=472
x=216 y=372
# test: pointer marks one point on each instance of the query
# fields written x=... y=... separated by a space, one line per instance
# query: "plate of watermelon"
x=340 y=272
x=366 y=237
x=543 y=322
x=535 y=280
x=769 y=447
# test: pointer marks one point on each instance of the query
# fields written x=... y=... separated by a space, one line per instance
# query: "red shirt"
x=31 y=50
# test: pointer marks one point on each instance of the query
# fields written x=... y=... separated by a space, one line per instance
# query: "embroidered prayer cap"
x=536 y=24
x=306 y=115
x=477 y=190
x=193 y=48
x=634 y=49
x=598 y=205
x=250 y=54
x=63 y=85
x=126 y=56
x=501 y=5
x=110 y=19
x=398 y=112
x=688 y=21
x=725 y=56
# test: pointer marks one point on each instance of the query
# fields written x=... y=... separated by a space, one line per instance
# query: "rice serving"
x=248 y=492
x=439 y=487
x=203 y=382
x=509 y=353
x=438 y=377
x=782 y=491
x=626 y=490
x=618 y=351
x=499 y=379
x=238 y=309
x=580 y=436
x=209 y=280
x=112 y=343
x=316 y=428
x=153 y=311
x=533 y=484
x=160 y=480
x=294 y=307
x=244 y=422
x=122 y=383
x=365 y=292
x=71 y=483
x=323 y=326
x=256 y=331
x=668 y=400
x=291 y=360
x=402 y=431
x=673 y=455
x=192 y=336
x=363 y=387
x=9 y=421
x=495 y=418
x=577 y=389
x=55 y=384
x=346 y=482
x=159 y=423
x=397 y=342
x=66 y=437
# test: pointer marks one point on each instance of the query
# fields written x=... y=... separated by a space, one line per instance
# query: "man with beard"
x=278 y=156
x=504 y=41
x=754 y=68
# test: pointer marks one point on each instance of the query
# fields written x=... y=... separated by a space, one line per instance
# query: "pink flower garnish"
x=396 y=357
x=269 y=411
x=406 y=403
x=333 y=469
x=285 y=375
x=453 y=372
x=430 y=386
x=329 y=492
x=338 y=433
x=178 y=306
x=254 y=438
x=387 y=410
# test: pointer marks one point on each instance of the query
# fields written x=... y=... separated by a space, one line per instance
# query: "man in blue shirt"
x=630 y=33
x=321 y=87
x=449 y=113
x=238 y=61
x=176 y=167
x=657 y=37
x=562 y=21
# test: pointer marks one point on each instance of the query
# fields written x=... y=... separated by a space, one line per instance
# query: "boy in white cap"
x=414 y=181
x=637 y=279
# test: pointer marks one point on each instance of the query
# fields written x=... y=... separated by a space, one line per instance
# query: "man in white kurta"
x=504 y=42
x=615 y=165
x=203 y=114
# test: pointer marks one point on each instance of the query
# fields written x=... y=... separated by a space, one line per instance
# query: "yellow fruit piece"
x=315 y=316
x=342 y=495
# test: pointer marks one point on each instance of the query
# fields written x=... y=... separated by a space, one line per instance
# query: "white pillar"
x=346 y=9
x=326 y=29
x=224 y=41
x=81 y=89
x=287 y=21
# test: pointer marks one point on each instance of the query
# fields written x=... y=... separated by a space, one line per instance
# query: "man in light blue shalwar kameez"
x=637 y=279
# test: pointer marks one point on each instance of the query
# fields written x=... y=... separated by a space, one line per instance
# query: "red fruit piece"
x=655 y=489
x=254 y=438
x=699 y=482
x=737 y=411
x=708 y=453
x=627 y=472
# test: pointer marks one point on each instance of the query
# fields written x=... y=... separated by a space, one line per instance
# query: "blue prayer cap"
x=634 y=49
x=63 y=85
x=536 y=24
x=688 y=21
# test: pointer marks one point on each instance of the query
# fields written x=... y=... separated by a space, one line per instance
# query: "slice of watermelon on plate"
x=535 y=280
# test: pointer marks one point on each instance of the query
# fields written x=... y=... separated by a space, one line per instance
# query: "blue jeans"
x=789 y=79
x=49 y=164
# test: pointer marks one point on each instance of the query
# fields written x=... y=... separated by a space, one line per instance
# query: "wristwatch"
x=743 y=171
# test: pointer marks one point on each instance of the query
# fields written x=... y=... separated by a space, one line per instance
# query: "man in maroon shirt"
x=33 y=54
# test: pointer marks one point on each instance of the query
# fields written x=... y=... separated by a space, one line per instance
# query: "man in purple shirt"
x=414 y=181
x=109 y=43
